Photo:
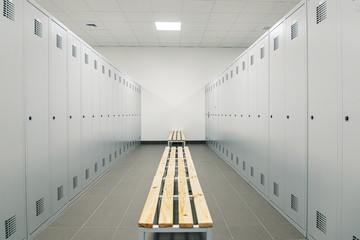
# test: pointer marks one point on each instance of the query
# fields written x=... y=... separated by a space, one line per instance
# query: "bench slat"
x=167 y=203
x=181 y=163
x=171 y=167
x=171 y=135
x=202 y=210
x=183 y=136
x=185 y=213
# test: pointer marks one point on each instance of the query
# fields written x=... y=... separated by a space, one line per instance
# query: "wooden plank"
x=190 y=163
x=185 y=213
x=167 y=204
x=171 y=168
x=173 y=152
x=183 y=136
x=166 y=152
x=181 y=163
x=171 y=135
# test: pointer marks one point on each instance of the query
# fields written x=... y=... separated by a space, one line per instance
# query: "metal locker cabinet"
x=108 y=102
x=58 y=118
x=121 y=118
x=124 y=115
x=110 y=81
x=237 y=89
x=350 y=225
x=233 y=102
x=221 y=116
x=296 y=116
x=244 y=121
x=86 y=133
x=74 y=115
x=36 y=74
x=324 y=112
x=95 y=114
x=277 y=118
x=103 y=116
x=252 y=140
x=12 y=165
x=262 y=114
x=115 y=114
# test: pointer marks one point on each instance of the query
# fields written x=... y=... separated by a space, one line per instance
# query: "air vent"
x=103 y=162
x=96 y=167
x=276 y=43
x=294 y=203
x=74 y=51
x=86 y=58
x=115 y=154
x=232 y=156
x=60 y=192
x=38 y=28
x=39 y=206
x=276 y=189
x=294 y=30
x=243 y=65
x=59 y=42
x=237 y=70
x=223 y=150
x=252 y=171
x=237 y=160
x=109 y=73
x=223 y=79
x=227 y=77
x=10 y=227
x=321 y=222
x=321 y=12
x=252 y=60
x=9 y=10
x=119 y=151
x=103 y=69
x=262 y=179
x=355 y=238
x=227 y=153
x=109 y=157
x=95 y=64
x=231 y=74
x=244 y=165
x=262 y=52
x=75 y=182
x=115 y=76
x=87 y=174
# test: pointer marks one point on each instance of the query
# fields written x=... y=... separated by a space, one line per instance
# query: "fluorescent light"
x=168 y=26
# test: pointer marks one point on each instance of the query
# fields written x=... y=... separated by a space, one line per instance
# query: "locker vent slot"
x=10 y=227
x=321 y=12
x=103 y=69
x=243 y=65
x=232 y=156
x=231 y=74
x=244 y=165
x=39 y=206
x=252 y=171
x=60 y=192
x=95 y=64
x=74 y=51
x=103 y=162
x=237 y=160
x=38 y=31
x=276 y=43
x=109 y=157
x=87 y=174
x=115 y=154
x=119 y=151
x=9 y=10
x=276 y=189
x=262 y=52
x=223 y=80
x=115 y=76
x=59 y=42
x=227 y=153
x=262 y=179
x=86 y=58
x=227 y=77
x=237 y=70
x=223 y=150
x=109 y=73
x=96 y=167
x=75 y=182
x=355 y=238
x=294 y=203
x=320 y=222
x=294 y=30
x=252 y=60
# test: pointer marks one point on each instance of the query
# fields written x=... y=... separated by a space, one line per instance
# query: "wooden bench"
x=176 y=137
x=175 y=203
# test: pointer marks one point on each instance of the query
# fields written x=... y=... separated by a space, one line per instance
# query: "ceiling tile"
x=169 y=39
x=247 y=18
x=145 y=33
x=103 y=5
x=148 y=39
x=169 y=34
x=283 y=7
x=195 y=17
x=71 y=5
x=218 y=26
x=238 y=34
x=98 y=32
x=189 y=44
x=126 y=39
x=61 y=16
x=190 y=40
x=150 y=44
x=169 y=44
x=49 y=5
x=166 y=5
x=228 y=6
x=197 y=6
x=210 y=45
x=99 y=25
x=212 y=40
x=167 y=16
x=139 y=16
x=135 y=5
x=192 y=34
x=193 y=26
x=223 y=17
x=246 y=27
x=149 y=26
x=121 y=33
x=82 y=16
x=215 y=34
x=110 y=16
x=117 y=25
x=258 y=7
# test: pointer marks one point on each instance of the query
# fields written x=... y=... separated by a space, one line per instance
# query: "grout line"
x=222 y=215
x=243 y=200
x=82 y=226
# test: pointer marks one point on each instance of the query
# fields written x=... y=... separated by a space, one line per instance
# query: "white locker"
x=277 y=117
x=74 y=115
x=95 y=114
x=350 y=225
x=36 y=74
x=251 y=117
x=121 y=112
x=115 y=115
x=58 y=117
x=324 y=112
x=262 y=114
x=296 y=119
x=237 y=89
x=12 y=165
x=103 y=116
x=86 y=133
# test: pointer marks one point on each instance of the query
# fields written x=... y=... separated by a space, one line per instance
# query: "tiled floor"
x=111 y=208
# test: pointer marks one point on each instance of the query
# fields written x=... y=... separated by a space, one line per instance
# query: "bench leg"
x=141 y=235
x=209 y=234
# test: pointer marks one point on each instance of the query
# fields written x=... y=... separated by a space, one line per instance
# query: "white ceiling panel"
x=135 y=5
x=111 y=16
x=140 y=16
x=228 y=6
x=198 y=6
x=258 y=7
x=103 y=5
x=166 y=5
x=117 y=25
x=71 y=5
x=195 y=17
x=218 y=26
x=82 y=16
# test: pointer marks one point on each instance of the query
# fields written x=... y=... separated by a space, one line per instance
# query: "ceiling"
x=205 y=23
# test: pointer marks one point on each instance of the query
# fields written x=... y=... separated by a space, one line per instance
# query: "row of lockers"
x=68 y=115
x=285 y=116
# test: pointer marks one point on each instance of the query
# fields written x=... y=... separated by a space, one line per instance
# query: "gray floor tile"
x=59 y=233
x=95 y=234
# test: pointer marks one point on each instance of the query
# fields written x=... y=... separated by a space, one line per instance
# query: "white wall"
x=172 y=81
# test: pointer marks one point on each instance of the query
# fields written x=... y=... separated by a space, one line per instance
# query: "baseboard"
x=165 y=142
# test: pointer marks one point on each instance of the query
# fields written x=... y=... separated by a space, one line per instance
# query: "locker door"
x=95 y=112
x=252 y=140
x=12 y=165
x=115 y=114
x=231 y=114
x=244 y=145
x=58 y=118
x=121 y=112
x=36 y=73
x=74 y=115
x=277 y=118
x=351 y=164
x=237 y=91
x=323 y=95
x=86 y=132
x=103 y=116
x=262 y=117
x=221 y=116
x=110 y=146
x=296 y=120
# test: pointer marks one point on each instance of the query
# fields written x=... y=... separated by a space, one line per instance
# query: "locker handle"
x=53 y=117
x=249 y=115
x=270 y=116
x=83 y=116
x=70 y=117
x=287 y=116
x=258 y=116
x=30 y=118
x=93 y=116
x=347 y=118
x=101 y=116
x=312 y=117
